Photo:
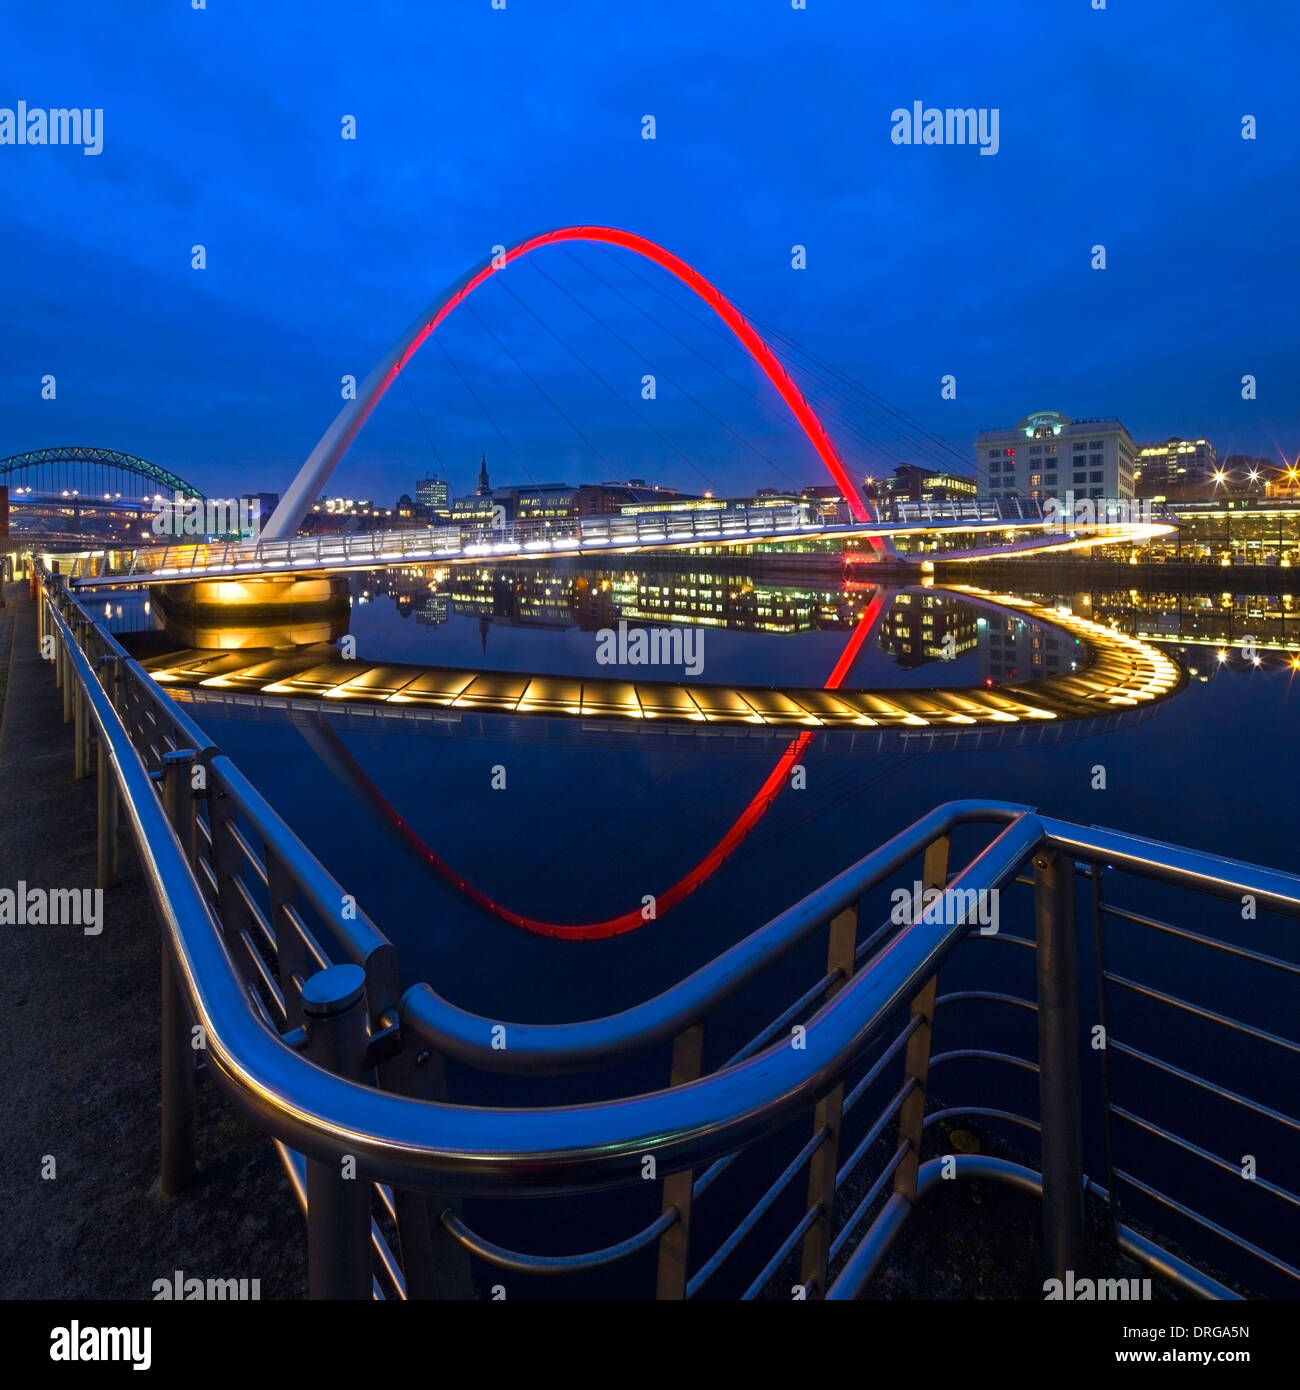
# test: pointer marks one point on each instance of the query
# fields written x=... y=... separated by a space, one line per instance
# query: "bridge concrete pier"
x=279 y=597
x=280 y=613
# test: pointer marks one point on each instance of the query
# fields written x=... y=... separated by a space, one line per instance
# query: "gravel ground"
x=79 y=1062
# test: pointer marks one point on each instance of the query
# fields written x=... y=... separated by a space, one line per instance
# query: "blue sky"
x=477 y=126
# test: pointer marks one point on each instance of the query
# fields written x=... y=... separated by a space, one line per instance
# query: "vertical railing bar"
x=1099 y=939
x=80 y=723
x=106 y=858
x=1060 y=1113
x=177 y=1168
x=293 y=958
x=338 y=1194
x=916 y=1062
x=678 y=1188
x=828 y=1116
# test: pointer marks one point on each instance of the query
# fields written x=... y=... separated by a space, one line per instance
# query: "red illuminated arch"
x=335 y=442
x=692 y=880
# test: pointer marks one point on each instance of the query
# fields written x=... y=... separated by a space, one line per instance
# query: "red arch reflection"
x=695 y=878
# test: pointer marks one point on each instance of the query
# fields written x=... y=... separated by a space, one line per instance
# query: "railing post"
x=65 y=676
x=1058 y=1061
x=52 y=630
x=293 y=959
x=117 y=690
x=675 y=1243
x=1099 y=944
x=338 y=1207
x=916 y=1063
x=178 y=1053
x=106 y=841
x=106 y=793
x=80 y=732
x=824 y=1164
x=434 y=1263
x=225 y=856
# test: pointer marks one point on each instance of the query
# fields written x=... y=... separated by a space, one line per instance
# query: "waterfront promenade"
x=89 y=1098
x=82 y=1093
x=79 y=1055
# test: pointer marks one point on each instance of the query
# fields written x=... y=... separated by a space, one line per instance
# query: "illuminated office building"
x=432 y=495
x=1049 y=454
x=1177 y=467
x=913 y=484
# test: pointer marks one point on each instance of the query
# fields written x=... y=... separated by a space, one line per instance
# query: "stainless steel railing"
x=429 y=544
x=307 y=1029
x=467 y=540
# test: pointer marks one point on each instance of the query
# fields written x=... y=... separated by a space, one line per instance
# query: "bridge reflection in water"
x=1119 y=671
x=1111 y=672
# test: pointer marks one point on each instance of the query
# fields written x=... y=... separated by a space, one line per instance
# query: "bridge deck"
x=587 y=538
x=1119 y=672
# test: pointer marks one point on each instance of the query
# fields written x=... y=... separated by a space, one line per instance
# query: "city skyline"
x=948 y=263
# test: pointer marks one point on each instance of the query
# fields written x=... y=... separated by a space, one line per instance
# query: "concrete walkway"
x=79 y=1061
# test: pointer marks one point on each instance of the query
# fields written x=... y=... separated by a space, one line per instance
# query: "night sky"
x=476 y=126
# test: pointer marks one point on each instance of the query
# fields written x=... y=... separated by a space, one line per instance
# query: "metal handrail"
x=363 y=548
x=556 y=1047
x=431 y=1144
x=455 y=1148
x=502 y=1258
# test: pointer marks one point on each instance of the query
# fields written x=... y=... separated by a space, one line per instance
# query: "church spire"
x=484 y=487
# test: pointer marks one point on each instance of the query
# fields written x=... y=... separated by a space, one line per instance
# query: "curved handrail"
x=418 y=1143
x=364 y=943
x=573 y=1148
x=557 y=1047
x=522 y=1263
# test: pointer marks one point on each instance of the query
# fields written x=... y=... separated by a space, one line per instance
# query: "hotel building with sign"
x=1049 y=454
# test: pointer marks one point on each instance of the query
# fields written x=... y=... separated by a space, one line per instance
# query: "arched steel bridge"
x=334 y=443
x=72 y=457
